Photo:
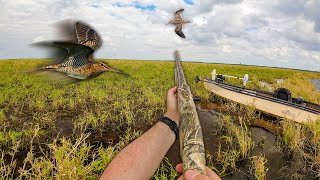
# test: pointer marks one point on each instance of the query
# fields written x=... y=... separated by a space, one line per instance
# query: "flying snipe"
x=178 y=22
x=79 y=63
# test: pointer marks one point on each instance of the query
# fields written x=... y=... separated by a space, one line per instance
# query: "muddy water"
x=316 y=82
x=211 y=106
x=268 y=126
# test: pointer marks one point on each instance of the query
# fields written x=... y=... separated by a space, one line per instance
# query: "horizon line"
x=202 y=62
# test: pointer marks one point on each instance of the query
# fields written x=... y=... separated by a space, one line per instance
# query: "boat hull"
x=273 y=108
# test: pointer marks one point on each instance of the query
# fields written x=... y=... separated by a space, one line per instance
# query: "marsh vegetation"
x=53 y=129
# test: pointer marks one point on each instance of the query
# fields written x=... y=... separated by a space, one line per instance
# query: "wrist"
x=173 y=117
x=171 y=124
x=166 y=131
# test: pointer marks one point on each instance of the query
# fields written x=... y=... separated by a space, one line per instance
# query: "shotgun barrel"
x=191 y=140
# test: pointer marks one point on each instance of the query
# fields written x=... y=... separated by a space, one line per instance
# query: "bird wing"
x=178 y=30
x=77 y=54
x=87 y=36
x=177 y=14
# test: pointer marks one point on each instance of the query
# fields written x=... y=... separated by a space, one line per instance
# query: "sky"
x=281 y=33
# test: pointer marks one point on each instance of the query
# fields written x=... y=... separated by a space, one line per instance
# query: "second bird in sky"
x=178 y=22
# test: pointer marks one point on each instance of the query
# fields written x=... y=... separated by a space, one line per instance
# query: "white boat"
x=279 y=103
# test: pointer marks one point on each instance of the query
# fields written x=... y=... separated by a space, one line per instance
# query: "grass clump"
x=301 y=144
x=236 y=133
x=259 y=169
x=227 y=161
x=238 y=142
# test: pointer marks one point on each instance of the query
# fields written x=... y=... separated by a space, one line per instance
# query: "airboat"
x=279 y=103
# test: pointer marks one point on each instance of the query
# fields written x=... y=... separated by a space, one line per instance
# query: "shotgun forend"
x=191 y=140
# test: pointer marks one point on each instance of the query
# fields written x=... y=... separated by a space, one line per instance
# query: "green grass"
x=301 y=144
x=259 y=169
x=165 y=171
x=72 y=118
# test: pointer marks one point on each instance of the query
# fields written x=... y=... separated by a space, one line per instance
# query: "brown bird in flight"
x=78 y=62
x=178 y=22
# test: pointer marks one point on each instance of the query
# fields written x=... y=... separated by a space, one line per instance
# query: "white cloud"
x=275 y=32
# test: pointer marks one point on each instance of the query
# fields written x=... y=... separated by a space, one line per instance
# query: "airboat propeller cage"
x=245 y=77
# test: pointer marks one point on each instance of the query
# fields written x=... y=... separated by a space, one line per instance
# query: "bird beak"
x=116 y=71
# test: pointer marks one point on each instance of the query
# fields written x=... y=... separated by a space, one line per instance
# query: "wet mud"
x=265 y=145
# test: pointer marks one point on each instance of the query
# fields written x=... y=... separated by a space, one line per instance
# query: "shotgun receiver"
x=191 y=140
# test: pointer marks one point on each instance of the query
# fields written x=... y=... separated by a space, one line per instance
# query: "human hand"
x=194 y=175
x=172 y=105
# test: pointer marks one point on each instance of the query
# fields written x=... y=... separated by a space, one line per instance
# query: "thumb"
x=192 y=174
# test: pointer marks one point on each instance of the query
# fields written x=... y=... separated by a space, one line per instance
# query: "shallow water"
x=316 y=82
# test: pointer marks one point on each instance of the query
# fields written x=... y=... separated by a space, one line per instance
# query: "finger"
x=179 y=168
x=193 y=174
x=211 y=174
x=175 y=89
x=172 y=91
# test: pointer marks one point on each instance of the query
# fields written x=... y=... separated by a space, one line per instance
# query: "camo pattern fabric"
x=191 y=138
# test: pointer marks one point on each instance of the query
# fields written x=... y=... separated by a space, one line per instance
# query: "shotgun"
x=191 y=139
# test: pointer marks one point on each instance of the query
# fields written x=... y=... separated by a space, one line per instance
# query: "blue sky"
x=189 y=2
x=270 y=32
x=150 y=7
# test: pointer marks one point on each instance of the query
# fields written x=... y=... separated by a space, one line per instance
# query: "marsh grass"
x=259 y=169
x=302 y=146
x=165 y=171
x=237 y=146
x=227 y=160
x=64 y=113
x=64 y=159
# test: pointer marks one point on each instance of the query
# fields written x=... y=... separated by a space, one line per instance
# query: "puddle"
x=268 y=126
x=210 y=106
x=316 y=82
